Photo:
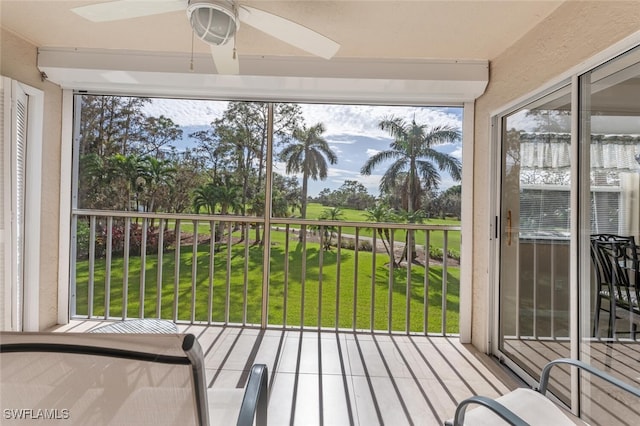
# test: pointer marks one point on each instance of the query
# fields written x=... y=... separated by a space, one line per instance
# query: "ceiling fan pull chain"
x=192 y=37
x=235 y=30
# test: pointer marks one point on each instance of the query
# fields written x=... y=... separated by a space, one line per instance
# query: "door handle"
x=508 y=227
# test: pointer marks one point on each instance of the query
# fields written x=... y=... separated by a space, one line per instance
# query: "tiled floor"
x=344 y=378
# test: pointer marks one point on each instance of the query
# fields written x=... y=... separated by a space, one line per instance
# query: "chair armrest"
x=544 y=376
x=193 y=350
x=254 y=402
x=493 y=405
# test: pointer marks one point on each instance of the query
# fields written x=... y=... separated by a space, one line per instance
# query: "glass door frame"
x=497 y=223
x=580 y=207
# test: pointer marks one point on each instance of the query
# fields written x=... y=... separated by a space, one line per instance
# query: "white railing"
x=331 y=275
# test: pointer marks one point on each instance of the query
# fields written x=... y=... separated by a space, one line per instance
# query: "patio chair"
x=525 y=406
x=115 y=379
x=615 y=259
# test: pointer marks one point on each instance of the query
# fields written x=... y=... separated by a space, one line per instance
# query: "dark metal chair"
x=615 y=259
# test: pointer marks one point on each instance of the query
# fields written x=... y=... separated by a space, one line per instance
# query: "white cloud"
x=333 y=171
x=363 y=120
x=371 y=152
x=187 y=112
x=357 y=120
x=335 y=149
x=340 y=142
x=457 y=153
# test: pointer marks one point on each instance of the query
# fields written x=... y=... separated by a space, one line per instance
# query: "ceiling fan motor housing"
x=213 y=21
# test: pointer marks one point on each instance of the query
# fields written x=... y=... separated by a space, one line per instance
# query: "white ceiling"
x=409 y=52
x=426 y=29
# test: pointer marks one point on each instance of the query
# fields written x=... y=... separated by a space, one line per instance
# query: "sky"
x=351 y=130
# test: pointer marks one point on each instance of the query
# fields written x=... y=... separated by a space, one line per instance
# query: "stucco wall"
x=574 y=33
x=18 y=61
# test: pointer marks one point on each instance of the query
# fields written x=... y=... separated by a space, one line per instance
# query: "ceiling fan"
x=216 y=22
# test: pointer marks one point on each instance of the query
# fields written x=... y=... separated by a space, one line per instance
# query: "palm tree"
x=205 y=196
x=334 y=214
x=382 y=213
x=308 y=154
x=415 y=157
x=156 y=173
x=127 y=170
x=212 y=194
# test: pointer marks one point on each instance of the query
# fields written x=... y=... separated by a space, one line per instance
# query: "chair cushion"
x=531 y=406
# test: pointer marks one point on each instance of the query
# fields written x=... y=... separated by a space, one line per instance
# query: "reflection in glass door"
x=534 y=240
x=610 y=225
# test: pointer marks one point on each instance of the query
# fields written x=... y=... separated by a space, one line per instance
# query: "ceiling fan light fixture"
x=214 y=22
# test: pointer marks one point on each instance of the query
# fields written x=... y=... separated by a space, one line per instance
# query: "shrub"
x=436 y=253
x=350 y=244
x=118 y=239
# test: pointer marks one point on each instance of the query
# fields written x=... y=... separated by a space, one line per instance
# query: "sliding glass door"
x=570 y=161
x=610 y=225
x=535 y=219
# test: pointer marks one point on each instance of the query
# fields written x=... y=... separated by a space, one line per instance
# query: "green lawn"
x=314 y=211
x=321 y=287
x=436 y=239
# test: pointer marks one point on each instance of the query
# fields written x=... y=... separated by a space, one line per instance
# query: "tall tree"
x=333 y=214
x=156 y=136
x=125 y=174
x=236 y=143
x=110 y=124
x=156 y=174
x=382 y=213
x=308 y=154
x=205 y=196
x=412 y=152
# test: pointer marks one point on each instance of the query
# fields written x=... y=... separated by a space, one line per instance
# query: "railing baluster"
x=427 y=258
x=107 y=268
x=409 y=249
x=92 y=265
x=355 y=281
x=553 y=292
x=125 y=265
x=444 y=281
x=373 y=280
x=320 y=260
x=176 y=270
x=245 y=293
x=392 y=261
x=212 y=251
x=143 y=264
x=303 y=273
x=194 y=270
x=338 y=262
x=227 y=299
x=534 y=284
x=73 y=295
x=286 y=275
x=159 y=269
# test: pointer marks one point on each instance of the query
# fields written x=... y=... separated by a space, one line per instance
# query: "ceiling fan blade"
x=288 y=31
x=223 y=59
x=126 y=9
